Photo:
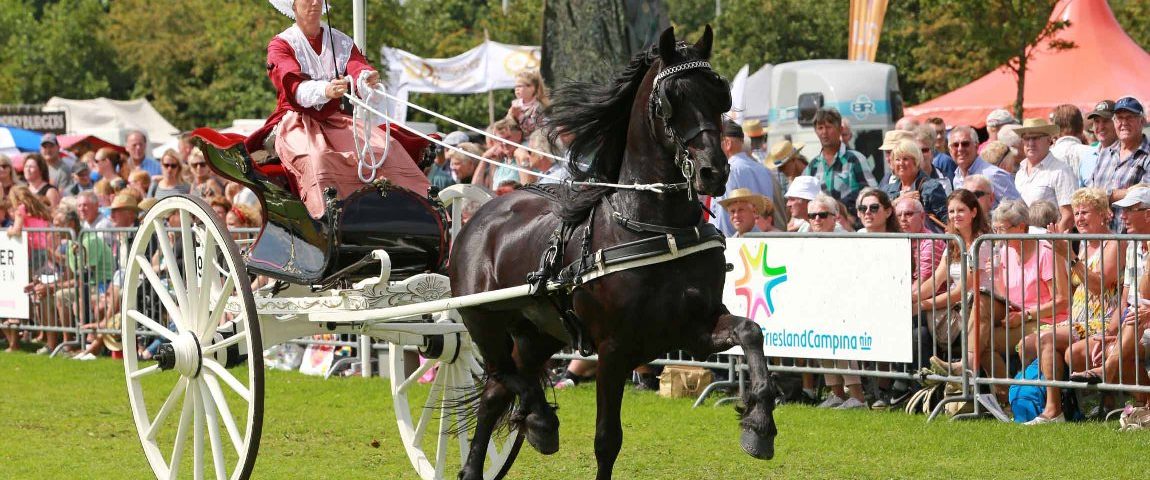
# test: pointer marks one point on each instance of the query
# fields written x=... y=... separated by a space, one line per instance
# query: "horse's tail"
x=464 y=406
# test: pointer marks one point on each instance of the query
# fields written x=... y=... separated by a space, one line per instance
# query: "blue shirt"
x=945 y=164
x=745 y=173
x=1003 y=182
x=440 y=175
x=1088 y=162
x=149 y=165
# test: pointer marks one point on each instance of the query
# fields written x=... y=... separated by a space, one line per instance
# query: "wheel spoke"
x=198 y=432
x=191 y=273
x=414 y=377
x=225 y=343
x=221 y=372
x=425 y=416
x=217 y=311
x=162 y=292
x=181 y=435
x=143 y=372
x=167 y=407
x=152 y=325
x=209 y=408
x=169 y=257
x=221 y=404
x=210 y=275
x=444 y=421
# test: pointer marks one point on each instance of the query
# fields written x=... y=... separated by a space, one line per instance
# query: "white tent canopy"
x=111 y=120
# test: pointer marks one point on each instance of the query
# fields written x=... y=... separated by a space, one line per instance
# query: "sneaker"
x=898 y=397
x=564 y=383
x=43 y=351
x=851 y=403
x=1039 y=420
x=83 y=357
x=882 y=403
x=832 y=401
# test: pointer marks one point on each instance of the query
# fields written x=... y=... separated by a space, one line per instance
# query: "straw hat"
x=783 y=151
x=1037 y=126
x=745 y=195
x=125 y=201
x=112 y=341
x=891 y=139
x=753 y=128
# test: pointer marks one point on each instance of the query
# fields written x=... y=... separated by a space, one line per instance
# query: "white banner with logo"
x=489 y=66
x=13 y=276
x=835 y=298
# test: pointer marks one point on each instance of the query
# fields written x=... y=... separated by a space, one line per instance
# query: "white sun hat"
x=285 y=7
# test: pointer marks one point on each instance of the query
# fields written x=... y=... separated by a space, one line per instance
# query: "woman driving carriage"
x=311 y=66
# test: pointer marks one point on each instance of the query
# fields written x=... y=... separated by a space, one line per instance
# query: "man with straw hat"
x=1041 y=176
x=753 y=130
x=745 y=173
x=744 y=208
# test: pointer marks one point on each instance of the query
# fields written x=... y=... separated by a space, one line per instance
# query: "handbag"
x=683 y=381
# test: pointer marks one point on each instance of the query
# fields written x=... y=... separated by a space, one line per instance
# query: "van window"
x=809 y=103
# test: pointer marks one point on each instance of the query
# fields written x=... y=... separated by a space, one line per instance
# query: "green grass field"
x=70 y=420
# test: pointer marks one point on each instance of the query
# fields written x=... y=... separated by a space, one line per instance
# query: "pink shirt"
x=36 y=240
x=1026 y=284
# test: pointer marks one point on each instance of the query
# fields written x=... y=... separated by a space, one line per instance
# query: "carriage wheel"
x=433 y=428
x=204 y=386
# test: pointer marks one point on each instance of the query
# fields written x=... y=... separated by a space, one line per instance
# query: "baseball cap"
x=732 y=129
x=1104 y=109
x=1135 y=196
x=455 y=138
x=804 y=187
x=1129 y=104
x=81 y=168
x=999 y=117
x=49 y=138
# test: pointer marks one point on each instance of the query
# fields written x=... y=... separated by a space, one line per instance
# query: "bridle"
x=660 y=107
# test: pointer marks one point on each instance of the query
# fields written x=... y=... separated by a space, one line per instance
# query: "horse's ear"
x=667 y=46
x=703 y=46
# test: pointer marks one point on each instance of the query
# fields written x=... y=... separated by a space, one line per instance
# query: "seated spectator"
x=502 y=152
x=204 y=184
x=998 y=154
x=89 y=207
x=8 y=177
x=556 y=172
x=109 y=165
x=822 y=212
x=766 y=217
x=462 y=166
x=876 y=212
x=171 y=182
x=799 y=194
x=1043 y=217
x=243 y=216
x=82 y=179
x=926 y=256
x=744 y=206
x=925 y=136
x=141 y=182
x=36 y=175
x=1094 y=279
x=908 y=179
x=1125 y=356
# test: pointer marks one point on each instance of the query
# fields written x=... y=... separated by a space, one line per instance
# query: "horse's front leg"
x=758 y=438
x=610 y=381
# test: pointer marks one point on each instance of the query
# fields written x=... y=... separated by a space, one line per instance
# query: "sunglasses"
x=197 y=164
x=962 y=144
x=171 y=165
x=979 y=193
x=872 y=208
x=820 y=215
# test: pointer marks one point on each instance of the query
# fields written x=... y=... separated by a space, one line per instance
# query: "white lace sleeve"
x=310 y=93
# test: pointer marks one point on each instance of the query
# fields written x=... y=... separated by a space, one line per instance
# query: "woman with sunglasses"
x=204 y=184
x=876 y=212
x=172 y=180
x=7 y=175
x=907 y=178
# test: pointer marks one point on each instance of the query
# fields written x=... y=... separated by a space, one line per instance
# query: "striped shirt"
x=1114 y=172
x=843 y=177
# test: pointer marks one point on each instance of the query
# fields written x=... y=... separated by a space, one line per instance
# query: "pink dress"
x=315 y=143
x=1026 y=282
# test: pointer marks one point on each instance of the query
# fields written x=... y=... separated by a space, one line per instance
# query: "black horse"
x=658 y=122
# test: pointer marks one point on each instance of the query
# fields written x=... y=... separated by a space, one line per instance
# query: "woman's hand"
x=1141 y=314
x=1013 y=318
x=372 y=79
x=336 y=88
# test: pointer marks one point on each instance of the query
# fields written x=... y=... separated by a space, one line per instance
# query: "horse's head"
x=687 y=103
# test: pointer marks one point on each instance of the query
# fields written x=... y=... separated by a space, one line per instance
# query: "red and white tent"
x=1106 y=64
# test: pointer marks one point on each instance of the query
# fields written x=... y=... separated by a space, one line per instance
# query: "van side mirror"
x=896 y=105
x=809 y=103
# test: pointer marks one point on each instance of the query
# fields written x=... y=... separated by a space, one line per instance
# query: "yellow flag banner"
x=866 y=17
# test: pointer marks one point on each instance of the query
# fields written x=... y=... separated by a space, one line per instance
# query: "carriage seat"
x=294 y=247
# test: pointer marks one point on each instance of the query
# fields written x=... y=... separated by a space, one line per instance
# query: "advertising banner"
x=13 y=276
x=833 y=298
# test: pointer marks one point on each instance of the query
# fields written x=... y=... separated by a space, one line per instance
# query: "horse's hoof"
x=760 y=447
x=543 y=433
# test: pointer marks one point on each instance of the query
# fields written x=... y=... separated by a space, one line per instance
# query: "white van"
x=865 y=93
